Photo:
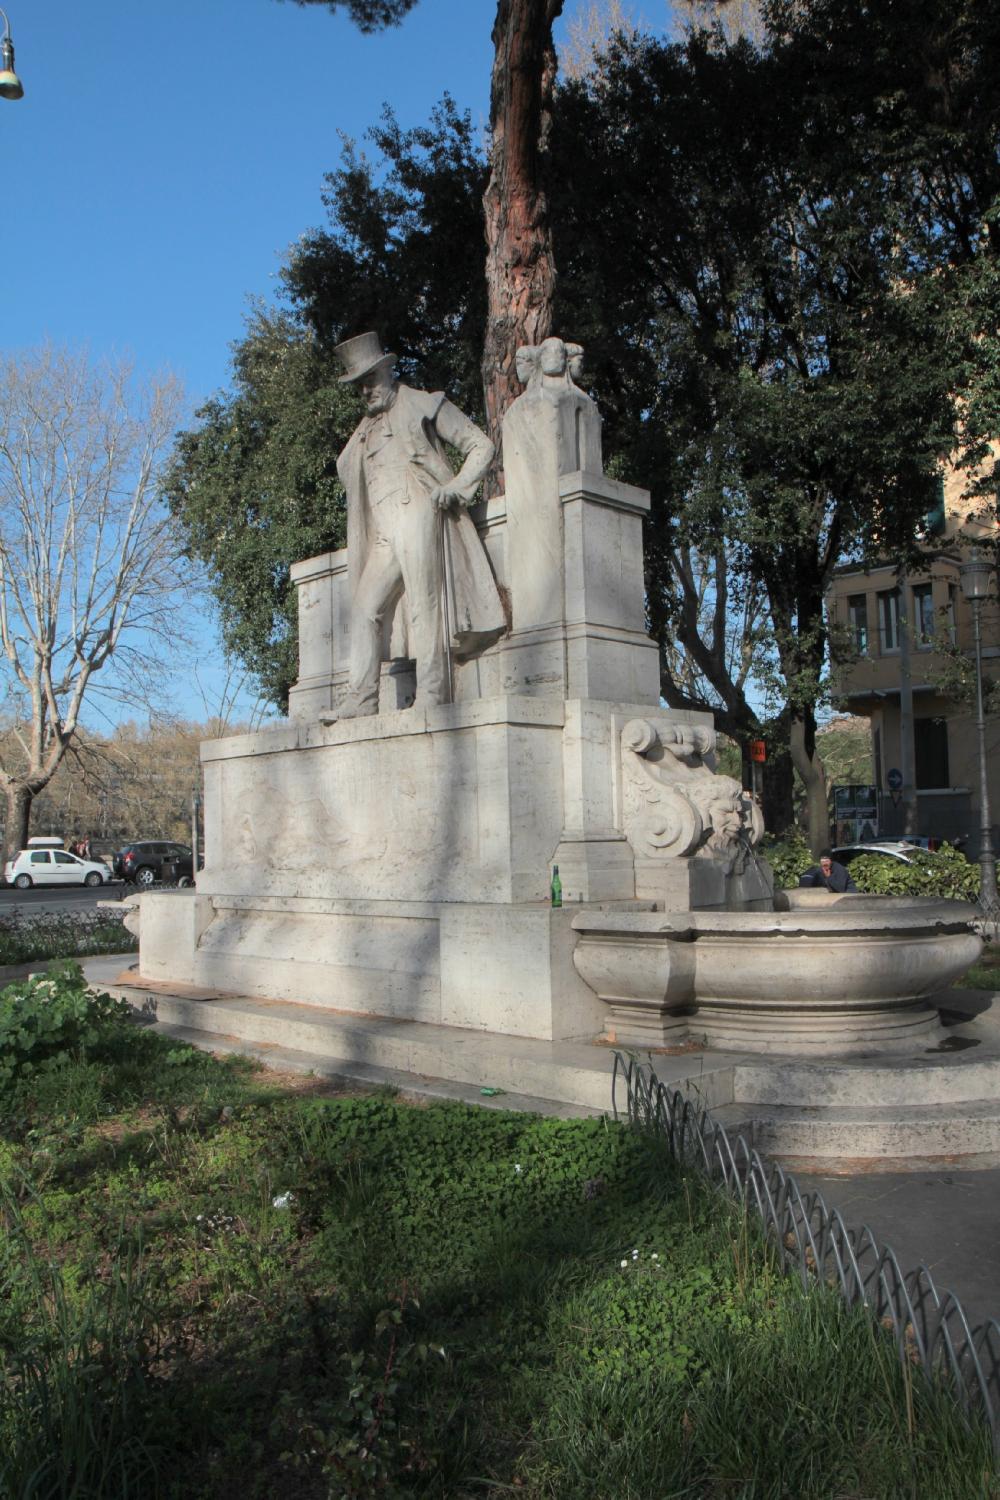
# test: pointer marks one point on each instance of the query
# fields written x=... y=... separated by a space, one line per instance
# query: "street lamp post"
x=11 y=86
x=975 y=576
x=195 y=821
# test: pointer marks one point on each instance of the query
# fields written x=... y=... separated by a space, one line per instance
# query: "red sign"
x=758 y=751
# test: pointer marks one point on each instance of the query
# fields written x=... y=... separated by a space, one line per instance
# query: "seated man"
x=828 y=874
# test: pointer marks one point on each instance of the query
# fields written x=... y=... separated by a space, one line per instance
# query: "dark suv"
x=142 y=863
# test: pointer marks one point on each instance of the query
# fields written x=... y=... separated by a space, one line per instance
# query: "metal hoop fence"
x=929 y=1327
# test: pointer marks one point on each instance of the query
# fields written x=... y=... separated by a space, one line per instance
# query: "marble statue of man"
x=409 y=533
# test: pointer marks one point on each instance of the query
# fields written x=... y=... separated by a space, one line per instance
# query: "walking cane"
x=446 y=590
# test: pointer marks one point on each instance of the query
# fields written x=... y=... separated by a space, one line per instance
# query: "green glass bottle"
x=556 y=887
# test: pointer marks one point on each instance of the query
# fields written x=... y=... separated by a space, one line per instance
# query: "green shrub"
x=51 y=1019
x=789 y=857
x=26 y=936
x=944 y=872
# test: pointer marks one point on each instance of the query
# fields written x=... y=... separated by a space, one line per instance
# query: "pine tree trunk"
x=19 y=798
x=520 y=268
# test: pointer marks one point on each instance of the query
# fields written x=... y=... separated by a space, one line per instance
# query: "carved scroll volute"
x=660 y=821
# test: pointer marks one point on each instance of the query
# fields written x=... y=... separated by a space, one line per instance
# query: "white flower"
x=654 y=1256
x=283 y=1200
x=624 y=1264
x=517 y=1167
x=635 y=1255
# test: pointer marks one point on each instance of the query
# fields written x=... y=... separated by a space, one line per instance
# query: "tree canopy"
x=255 y=486
x=368 y=15
x=780 y=256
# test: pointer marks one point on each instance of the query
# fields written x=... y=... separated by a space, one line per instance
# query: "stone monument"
x=388 y=850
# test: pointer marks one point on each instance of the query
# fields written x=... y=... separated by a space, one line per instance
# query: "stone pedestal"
x=400 y=864
x=584 y=634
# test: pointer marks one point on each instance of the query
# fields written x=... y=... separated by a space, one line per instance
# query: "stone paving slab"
x=948 y=1221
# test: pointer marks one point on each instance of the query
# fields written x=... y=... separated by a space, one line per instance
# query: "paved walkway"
x=947 y=1221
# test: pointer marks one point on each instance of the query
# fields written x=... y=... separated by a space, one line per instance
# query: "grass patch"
x=984 y=975
x=210 y=1287
x=25 y=937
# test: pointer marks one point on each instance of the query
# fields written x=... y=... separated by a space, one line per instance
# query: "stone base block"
x=479 y=966
x=636 y=1026
x=594 y=868
x=811 y=1030
x=704 y=884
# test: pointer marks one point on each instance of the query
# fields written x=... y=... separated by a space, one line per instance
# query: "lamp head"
x=10 y=85
x=975 y=576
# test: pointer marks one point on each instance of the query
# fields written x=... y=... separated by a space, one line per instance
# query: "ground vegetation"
x=217 y=1286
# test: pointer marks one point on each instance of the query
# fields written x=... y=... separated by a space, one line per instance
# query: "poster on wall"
x=855 y=813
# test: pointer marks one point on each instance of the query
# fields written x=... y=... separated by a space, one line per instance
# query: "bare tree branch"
x=88 y=555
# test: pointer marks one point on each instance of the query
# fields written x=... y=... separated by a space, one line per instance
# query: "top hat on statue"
x=361 y=355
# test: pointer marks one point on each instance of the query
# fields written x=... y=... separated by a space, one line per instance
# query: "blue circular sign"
x=894 y=780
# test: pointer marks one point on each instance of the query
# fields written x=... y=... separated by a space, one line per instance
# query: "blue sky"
x=165 y=155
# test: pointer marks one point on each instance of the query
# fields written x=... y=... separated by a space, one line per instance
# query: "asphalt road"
x=56 y=898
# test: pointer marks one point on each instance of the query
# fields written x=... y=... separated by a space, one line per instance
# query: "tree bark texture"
x=19 y=798
x=777 y=800
x=806 y=758
x=520 y=267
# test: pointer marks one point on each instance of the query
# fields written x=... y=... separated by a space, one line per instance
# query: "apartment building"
x=867 y=612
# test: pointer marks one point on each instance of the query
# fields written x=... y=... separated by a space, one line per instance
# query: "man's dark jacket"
x=838 y=880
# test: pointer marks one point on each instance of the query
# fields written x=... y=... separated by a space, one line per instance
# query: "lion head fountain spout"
x=693 y=831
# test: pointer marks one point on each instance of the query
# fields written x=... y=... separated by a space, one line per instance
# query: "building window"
x=857 y=622
x=930 y=754
x=888 y=620
x=923 y=616
x=950 y=613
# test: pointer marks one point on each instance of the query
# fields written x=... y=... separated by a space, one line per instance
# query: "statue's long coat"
x=426 y=421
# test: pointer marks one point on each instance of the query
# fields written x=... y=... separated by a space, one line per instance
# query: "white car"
x=901 y=850
x=51 y=866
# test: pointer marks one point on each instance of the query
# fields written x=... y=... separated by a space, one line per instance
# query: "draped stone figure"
x=552 y=429
x=409 y=535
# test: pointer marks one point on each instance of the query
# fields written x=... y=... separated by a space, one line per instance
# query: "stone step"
x=873 y=1116
x=576 y=1073
x=367 y=1075
x=956 y=1077
x=840 y=1138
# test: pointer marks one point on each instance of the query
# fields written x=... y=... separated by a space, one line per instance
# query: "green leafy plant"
x=25 y=937
x=448 y=1300
x=51 y=1019
x=943 y=872
x=74 y=1420
x=789 y=857
x=363 y=1447
x=986 y=974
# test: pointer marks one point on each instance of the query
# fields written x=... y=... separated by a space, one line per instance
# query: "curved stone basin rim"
x=844 y=974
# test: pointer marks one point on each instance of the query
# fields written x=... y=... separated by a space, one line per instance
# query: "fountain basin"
x=825 y=975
